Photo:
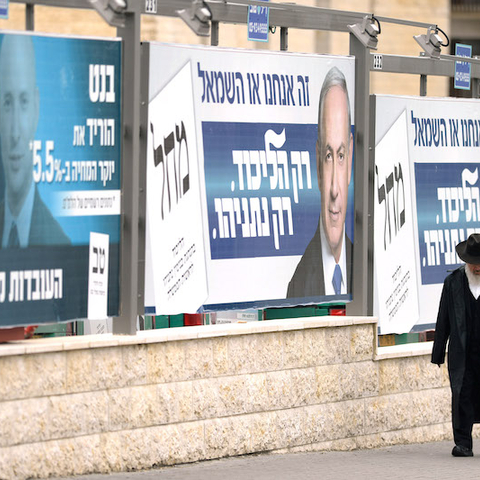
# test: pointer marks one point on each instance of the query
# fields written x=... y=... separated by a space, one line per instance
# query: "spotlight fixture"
x=431 y=42
x=112 y=11
x=367 y=31
x=197 y=17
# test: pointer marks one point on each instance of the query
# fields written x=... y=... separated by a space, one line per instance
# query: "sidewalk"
x=419 y=461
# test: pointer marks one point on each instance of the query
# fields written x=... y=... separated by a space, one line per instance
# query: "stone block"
x=303 y=390
x=241 y=353
x=134 y=364
x=199 y=358
x=220 y=356
x=290 y=425
x=229 y=436
x=293 y=349
x=279 y=389
x=315 y=347
x=25 y=376
x=264 y=432
x=94 y=369
x=136 y=407
x=166 y=362
x=362 y=342
x=338 y=345
x=328 y=383
x=208 y=401
x=184 y=401
x=77 y=414
x=366 y=378
x=255 y=392
x=80 y=371
x=23 y=421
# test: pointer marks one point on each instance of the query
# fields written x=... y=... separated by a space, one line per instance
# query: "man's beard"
x=473 y=280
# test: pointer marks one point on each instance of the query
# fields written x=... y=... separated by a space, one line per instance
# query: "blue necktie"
x=13 y=240
x=337 y=280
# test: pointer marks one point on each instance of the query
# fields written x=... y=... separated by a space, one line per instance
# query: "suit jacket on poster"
x=308 y=281
x=452 y=326
x=44 y=229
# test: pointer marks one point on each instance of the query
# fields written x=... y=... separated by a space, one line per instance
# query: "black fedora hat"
x=469 y=250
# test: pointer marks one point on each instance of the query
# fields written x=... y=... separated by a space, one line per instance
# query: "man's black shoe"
x=460 y=451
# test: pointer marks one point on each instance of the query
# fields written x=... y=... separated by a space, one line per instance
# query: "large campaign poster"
x=257 y=175
x=443 y=144
x=60 y=144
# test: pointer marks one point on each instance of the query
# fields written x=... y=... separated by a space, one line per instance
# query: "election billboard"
x=249 y=199
x=60 y=143
x=426 y=202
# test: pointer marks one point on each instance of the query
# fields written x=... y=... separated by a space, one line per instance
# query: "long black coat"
x=452 y=324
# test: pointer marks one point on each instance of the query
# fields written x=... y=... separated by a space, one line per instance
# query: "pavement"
x=417 y=461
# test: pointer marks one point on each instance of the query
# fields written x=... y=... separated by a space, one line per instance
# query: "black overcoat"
x=452 y=326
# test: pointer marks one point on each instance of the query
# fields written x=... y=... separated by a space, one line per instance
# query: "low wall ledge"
x=57 y=344
x=407 y=350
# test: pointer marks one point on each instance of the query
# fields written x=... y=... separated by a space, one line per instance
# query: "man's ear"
x=350 y=158
x=319 y=167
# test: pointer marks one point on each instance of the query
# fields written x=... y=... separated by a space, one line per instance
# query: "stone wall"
x=106 y=403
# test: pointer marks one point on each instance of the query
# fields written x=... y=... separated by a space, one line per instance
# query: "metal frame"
x=285 y=16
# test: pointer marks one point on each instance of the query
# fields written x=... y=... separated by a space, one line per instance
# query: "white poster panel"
x=98 y=276
x=176 y=279
x=444 y=147
x=256 y=125
x=395 y=266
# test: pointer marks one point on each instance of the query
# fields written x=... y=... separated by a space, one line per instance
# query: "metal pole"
x=214 y=35
x=29 y=17
x=423 y=85
x=130 y=305
x=362 y=280
x=284 y=39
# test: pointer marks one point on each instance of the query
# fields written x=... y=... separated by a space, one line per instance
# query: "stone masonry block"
x=303 y=388
x=136 y=407
x=279 y=389
x=77 y=414
x=256 y=391
x=79 y=371
x=409 y=374
x=241 y=354
x=294 y=349
x=290 y=425
x=199 y=358
x=229 y=436
x=94 y=369
x=134 y=361
x=315 y=347
x=220 y=356
x=24 y=376
x=266 y=350
x=362 y=342
x=166 y=362
x=208 y=401
x=328 y=383
x=23 y=421
x=338 y=345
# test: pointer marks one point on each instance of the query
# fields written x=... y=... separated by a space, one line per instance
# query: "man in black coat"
x=459 y=323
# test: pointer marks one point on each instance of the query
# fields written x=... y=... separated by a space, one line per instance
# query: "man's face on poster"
x=19 y=105
x=334 y=165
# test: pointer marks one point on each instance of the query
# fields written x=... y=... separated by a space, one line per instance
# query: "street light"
x=112 y=11
x=197 y=17
x=367 y=31
x=432 y=41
